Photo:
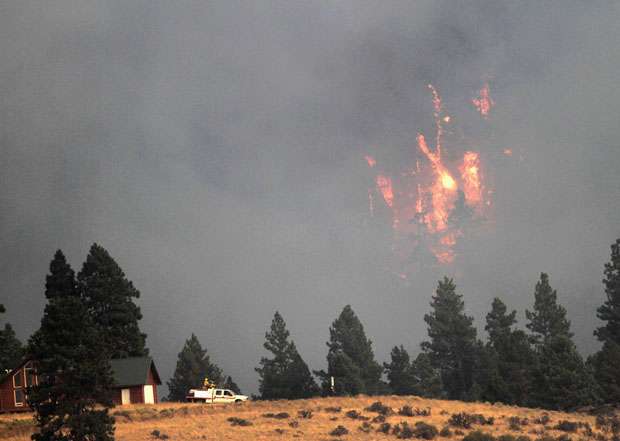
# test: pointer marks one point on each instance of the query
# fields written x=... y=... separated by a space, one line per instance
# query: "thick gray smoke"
x=216 y=150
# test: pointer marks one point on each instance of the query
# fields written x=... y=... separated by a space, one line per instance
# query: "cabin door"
x=149 y=397
x=125 y=396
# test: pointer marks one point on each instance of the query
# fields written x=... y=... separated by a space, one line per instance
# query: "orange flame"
x=484 y=103
x=424 y=197
x=384 y=183
x=470 y=176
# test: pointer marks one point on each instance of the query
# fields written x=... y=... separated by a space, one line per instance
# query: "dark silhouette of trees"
x=108 y=295
x=285 y=375
x=72 y=395
x=193 y=366
x=350 y=359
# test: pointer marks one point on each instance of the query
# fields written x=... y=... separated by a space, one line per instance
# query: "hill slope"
x=180 y=421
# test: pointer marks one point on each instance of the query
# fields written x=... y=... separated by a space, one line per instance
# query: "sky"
x=216 y=150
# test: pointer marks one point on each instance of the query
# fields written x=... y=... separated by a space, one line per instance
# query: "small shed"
x=135 y=380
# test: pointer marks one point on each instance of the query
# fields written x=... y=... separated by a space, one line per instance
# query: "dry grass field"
x=184 y=421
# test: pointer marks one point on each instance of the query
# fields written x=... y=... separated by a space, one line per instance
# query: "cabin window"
x=19 y=397
x=218 y=393
x=17 y=380
x=31 y=376
x=228 y=393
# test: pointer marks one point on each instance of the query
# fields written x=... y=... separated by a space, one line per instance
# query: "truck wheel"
x=237 y=401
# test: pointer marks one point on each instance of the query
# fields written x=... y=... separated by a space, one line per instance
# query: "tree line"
x=536 y=367
x=91 y=318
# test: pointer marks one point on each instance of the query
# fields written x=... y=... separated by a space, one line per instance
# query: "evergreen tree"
x=609 y=311
x=607 y=360
x=548 y=319
x=452 y=346
x=74 y=377
x=230 y=384
x=560 y=379
x=512 y=355
x=193 y=366
x=11 y=350
x=399 y=372
x=286 y=375
x=427 y=378
x=417 y=377
x=350 y=359
x=109 y=298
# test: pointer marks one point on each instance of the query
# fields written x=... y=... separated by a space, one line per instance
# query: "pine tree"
x=560 y=379
x=512 y=354
x=607 y=360
x=452 y=345
x=193 y=366
x=427 y=379
x=230 y=384
x=286 y=375
x=109 y=298
x=548 y=319
x=399 y=373
x=71 y=398
x=350 y=359
x=11 y=349
x=609 y=311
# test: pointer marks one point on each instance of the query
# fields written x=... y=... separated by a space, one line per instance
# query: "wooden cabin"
x=135 y=382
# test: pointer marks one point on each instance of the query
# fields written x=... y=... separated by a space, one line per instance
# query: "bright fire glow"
x=484 y=103
x=432 y=200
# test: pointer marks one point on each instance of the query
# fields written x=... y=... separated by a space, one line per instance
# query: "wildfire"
x=484 y=103
x=431 y=201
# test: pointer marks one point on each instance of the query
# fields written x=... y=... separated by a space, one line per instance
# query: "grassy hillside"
x=226 y=422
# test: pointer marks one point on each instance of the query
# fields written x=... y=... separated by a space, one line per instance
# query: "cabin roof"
x=133 y=371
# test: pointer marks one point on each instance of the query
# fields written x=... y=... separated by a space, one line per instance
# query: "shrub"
x=339 y=431
x=234 y=421
x=478 y=435
x=515 y=422
x=293 y=423
x=543 y=419
x=567 y=426
x=333 y=409
x=610 y=423
x=380 y=408
x=366 y=427
x=384 y=428
x=280 y=431
x=406 y=411
x=466 y=420
x=158 y=435
x=425 y=431
x=305 y=413
x=445 y=432
x=523 y=438
x=563 y=437
x=413 y=411
x=545 y=438
x=355 y=415
x=277 y=416
x=403 y=431
x=506 y=438
x=379 y=419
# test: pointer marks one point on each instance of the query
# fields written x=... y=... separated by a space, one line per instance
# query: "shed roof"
x=133 y=371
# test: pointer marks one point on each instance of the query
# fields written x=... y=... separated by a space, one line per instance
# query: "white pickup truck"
x=214 y=396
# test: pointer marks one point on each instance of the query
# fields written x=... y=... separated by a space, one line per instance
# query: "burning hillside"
x=436 y=196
